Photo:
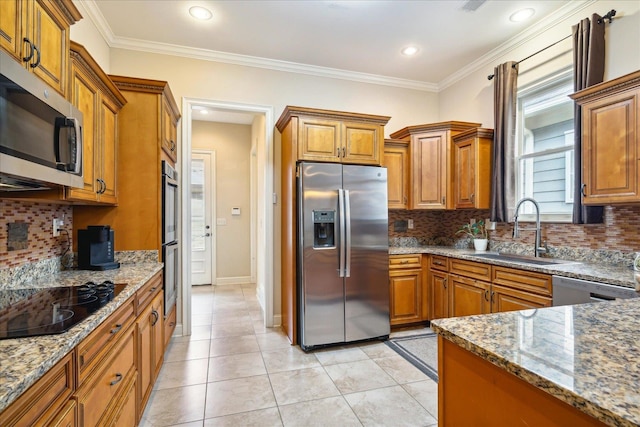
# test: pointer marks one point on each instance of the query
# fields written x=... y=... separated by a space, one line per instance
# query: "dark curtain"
x=588 y=69
x=503 y=180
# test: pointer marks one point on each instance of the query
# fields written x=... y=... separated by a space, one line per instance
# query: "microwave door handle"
x=76 y=146
x=59 y=124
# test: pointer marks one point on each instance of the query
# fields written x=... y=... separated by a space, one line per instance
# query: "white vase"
x=480 y=245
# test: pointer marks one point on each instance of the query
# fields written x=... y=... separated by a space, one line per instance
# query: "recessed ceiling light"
x=410 y=50
x=200 y=13
x=522 y=15
x=203 y=111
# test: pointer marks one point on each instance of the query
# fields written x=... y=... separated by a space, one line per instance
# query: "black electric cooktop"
x=47 y=311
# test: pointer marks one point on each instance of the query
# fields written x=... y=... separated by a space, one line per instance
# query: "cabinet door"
x=84 y=95
x=168 y=131
x=66 y=417
x=439 y=294
x=465 y=163
x=468 y=296
x=405 y=287
x=108 y=151
x=319 y=140
x=50 y=35
x=506 y=299
x=11 y=27
x=144 y=355
x=610 y=152
x=396 y=160
x=363 y=143
x=429 y=171
x=157 y=311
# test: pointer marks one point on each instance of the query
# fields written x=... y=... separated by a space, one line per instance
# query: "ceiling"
x=355 y=40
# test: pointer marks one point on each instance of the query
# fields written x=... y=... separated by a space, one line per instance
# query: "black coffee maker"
x=95 y=248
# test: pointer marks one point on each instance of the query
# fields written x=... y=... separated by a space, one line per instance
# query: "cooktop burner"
x=31 y=312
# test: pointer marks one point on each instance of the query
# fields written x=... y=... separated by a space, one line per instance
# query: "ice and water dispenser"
x=324 y=229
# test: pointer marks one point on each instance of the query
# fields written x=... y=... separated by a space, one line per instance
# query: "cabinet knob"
x=116 y=329
x=344 y=152
x=472 y=196
x=338 y=152
x=117 y=380
x=443 y=200
x=173 y=146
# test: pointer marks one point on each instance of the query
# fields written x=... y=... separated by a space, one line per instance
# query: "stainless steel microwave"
x=40 y=132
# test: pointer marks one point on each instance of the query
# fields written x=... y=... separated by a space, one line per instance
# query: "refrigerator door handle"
x=347 y=232
x=341 y=215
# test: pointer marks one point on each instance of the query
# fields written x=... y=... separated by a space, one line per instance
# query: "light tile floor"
x=233 y=371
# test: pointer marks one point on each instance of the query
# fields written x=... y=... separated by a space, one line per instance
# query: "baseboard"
x=277 y=320
x=233 y=280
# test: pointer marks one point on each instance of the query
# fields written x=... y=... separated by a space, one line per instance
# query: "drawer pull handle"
x=404 y=262
x=156 y=316
x=152 y=289
x=437 y=263
x=116 y=329
x=117 y=380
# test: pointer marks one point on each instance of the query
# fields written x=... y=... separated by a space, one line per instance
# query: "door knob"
x=206 y=235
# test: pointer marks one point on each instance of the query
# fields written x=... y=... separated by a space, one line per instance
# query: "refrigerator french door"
x=343 y=253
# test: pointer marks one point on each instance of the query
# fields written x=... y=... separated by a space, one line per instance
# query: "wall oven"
x=40 y=133
x=170 y=246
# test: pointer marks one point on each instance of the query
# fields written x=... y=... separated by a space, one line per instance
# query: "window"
x=545 y=153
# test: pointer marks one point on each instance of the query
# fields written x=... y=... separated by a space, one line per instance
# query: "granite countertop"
x=622 y=276
x=24 y=360
x=585 y=355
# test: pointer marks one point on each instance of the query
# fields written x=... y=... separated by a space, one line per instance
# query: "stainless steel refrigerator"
x=343 y=253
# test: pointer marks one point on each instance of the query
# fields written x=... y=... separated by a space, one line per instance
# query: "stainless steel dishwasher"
x=567 y=291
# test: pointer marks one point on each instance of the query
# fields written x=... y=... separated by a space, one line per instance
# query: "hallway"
x=232 y=371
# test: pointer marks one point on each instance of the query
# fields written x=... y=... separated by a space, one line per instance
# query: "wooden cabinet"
x=169 y=129
x=611 y=141
x=36 y=34
x=472 y=173
x=396 y=160
x=438 y=286
x=333 y=136
x=322 y=136
x=47 y=401
x=137 y=220
x=150 y=338
x=431 y=165
x=169 y=325
x=93 y=93
x=460 y=287
x=407 y=302
x=99 y=396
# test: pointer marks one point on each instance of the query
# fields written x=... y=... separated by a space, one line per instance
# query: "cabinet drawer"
x=439 y=262
x=93 y=348
x=146 y=293
x=405 y=261
x=42 y=401
x=522 y=280
x=111 y=376
x=475 y=270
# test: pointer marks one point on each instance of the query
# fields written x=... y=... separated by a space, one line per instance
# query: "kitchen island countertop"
x=622 y=276
x=24 y=360
x=585 y=355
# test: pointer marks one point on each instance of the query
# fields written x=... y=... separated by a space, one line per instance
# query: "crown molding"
x=566 y=11
x=491 y=58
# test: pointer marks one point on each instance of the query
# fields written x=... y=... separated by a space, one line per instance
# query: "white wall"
x=85 y=33
x=471 y=99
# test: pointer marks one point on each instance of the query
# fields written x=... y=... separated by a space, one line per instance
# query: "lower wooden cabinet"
x=150 y=348
x=438 y=288
x=507 y=299
x=67 y=417
x=99 y=395
x=407 y=290
x=169 y=325
x=468 y=296
x=44 y=403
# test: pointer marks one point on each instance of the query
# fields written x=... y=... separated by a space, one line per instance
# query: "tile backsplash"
x=620 y=231
x=41 y=244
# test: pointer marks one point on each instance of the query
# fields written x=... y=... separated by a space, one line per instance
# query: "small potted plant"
x=478 y=232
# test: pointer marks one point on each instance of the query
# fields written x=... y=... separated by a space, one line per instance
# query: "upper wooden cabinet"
x=472 y=175
x=333 y=136
x=611 y=141
x=36 y=34
x=169 y=134
x=432 y=162
x=137 y=220
x=396 y=160
x=99 y=100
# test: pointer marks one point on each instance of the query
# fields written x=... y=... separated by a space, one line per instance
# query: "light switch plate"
x=221 y=221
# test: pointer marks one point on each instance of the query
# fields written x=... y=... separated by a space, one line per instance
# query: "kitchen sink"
x=524 y=259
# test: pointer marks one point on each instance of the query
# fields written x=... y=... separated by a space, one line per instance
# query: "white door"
x=203 y=266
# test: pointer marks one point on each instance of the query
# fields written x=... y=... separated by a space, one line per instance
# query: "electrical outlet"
x=490 y=225
x=57 y=226
x=410 y=224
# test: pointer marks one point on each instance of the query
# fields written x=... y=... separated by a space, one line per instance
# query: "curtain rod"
x=608 y=16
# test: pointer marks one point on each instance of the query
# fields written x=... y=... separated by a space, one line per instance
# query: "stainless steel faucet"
x=516 y=230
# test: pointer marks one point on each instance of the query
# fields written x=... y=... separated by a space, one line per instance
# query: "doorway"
x=203 y=209
x=262 y=199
